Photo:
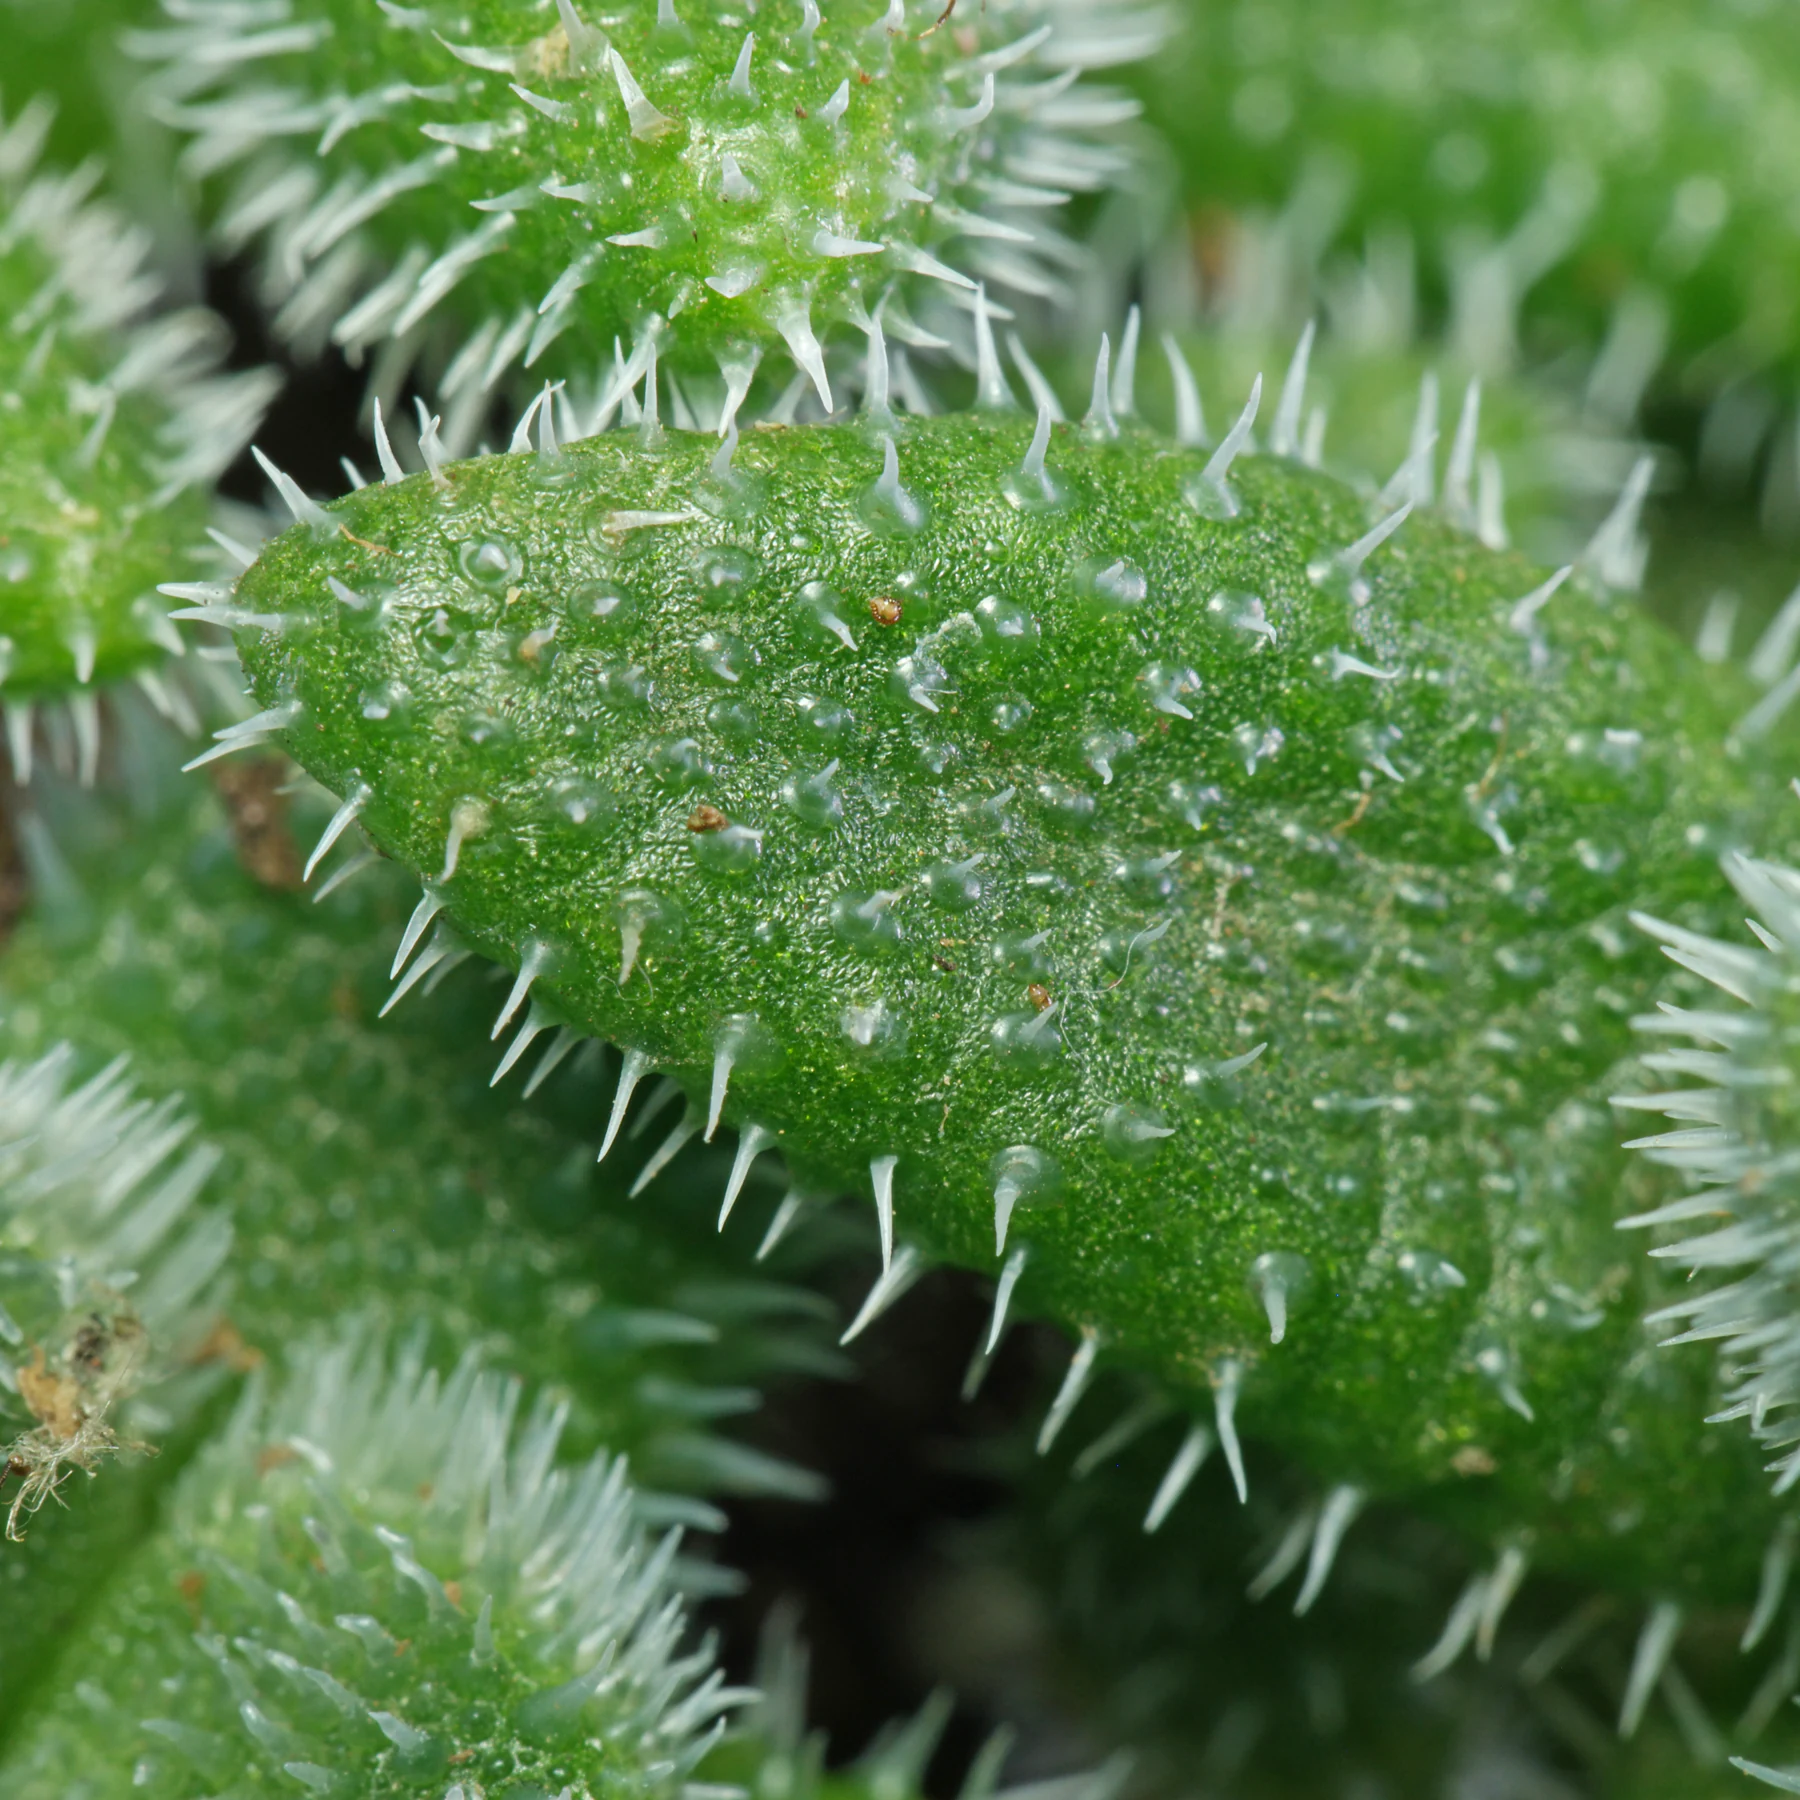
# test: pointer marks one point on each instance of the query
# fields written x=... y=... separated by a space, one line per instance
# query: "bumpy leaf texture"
x=712 y=184
x=1168 y=881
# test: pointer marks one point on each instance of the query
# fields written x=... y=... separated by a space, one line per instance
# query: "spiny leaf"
x=727 y=183
x=378 y=1578
x=351 y=1164
x=1241 y=904
x=381 y=1578
x=114 y=424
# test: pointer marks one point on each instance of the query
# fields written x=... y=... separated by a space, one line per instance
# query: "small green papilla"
x=114 y=423
x=1057 y=823
x=711 y=184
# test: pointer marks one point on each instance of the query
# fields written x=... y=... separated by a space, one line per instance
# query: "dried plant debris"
x=108 y=1263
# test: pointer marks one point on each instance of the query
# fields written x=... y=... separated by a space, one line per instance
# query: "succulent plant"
x=1182 y=880
x=704 y=187
x=116 y=422
x=1207 y=883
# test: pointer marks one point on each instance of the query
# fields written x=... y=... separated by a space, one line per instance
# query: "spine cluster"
x=1732 y=1144
x=379 y=1574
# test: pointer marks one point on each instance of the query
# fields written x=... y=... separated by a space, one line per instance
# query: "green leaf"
x=345 y=1164
x=1227 y=911
x=723 y=185
x=116 y=422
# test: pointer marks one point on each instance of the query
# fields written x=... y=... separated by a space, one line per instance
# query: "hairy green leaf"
x=714 y=184
x=1146 y=871
x=114 y=422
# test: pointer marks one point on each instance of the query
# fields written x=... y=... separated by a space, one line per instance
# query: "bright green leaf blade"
x=1239 y=924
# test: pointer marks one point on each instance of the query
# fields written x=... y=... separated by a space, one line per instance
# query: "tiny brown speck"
x=1471 y=1459
x=706 y=818
x=192 y=1589
x=1039 y=996
x=884 y=609
x=256 y=804
x=799 y=112
x=224 y=1343
x=861 y=77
